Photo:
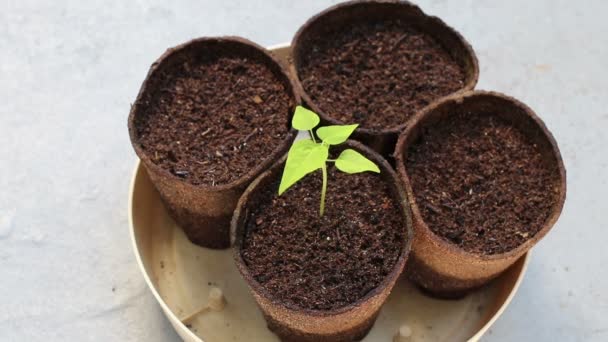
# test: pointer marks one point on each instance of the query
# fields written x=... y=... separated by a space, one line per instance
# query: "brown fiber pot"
x=438 y=266
x=343 y=15
x=203 y=211
x=348 y=323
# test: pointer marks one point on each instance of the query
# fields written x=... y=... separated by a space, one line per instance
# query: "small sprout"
x=308 y=155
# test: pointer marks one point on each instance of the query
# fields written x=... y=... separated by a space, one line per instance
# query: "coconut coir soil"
x=323 y=263
x=480 y=183
x=213 y=119
x=377 y=74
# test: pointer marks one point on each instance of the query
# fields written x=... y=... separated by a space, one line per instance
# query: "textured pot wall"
x=344 y=14
x=344 y=324
x=437 y=265
x=204 y=211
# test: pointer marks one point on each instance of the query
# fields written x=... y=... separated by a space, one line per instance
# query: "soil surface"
x=377 y=74
x=326 y=262
x=213 y=119
x=480 y=183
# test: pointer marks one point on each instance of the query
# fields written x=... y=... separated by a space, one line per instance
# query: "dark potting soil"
x=327 y=262
x=215 y=118
x=377 y=74
x=480 y=183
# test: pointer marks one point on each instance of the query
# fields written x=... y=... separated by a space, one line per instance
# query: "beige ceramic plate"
x=181 y=275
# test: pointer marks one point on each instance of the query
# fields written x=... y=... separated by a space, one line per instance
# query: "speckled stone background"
x=69 y=69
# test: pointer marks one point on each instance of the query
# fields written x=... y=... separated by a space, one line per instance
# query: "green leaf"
x=351 y=161
x=303 y=158
x=334 y=135
x=304 y=119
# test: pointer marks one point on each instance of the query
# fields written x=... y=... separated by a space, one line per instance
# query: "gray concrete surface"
x=69 y=69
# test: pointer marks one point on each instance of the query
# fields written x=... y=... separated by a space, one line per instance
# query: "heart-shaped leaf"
x=304 y=157
x=304 y=119
x=334 y=135
x=351 y=161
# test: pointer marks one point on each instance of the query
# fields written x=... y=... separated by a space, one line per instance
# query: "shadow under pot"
x=323 y=278
x=377 y=63
x=211 y=115
x=486 y=182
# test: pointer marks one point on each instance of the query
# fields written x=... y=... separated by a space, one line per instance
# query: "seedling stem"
x=307 y=155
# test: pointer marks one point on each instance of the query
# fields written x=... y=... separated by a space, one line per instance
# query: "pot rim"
x=395 y=273
x=434 y=20
x=167 y=56
x=457 y=99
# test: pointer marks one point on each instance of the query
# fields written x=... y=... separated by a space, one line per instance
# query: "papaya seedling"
x=308 y=155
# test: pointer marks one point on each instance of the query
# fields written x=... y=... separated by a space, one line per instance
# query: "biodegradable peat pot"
x=211 y=115
x=323 y=279
x=486 y=182
x=377 y=63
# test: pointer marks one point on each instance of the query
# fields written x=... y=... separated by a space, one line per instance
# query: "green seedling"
x=308 y=155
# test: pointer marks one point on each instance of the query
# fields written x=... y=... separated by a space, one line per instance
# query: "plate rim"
x=179 y=327
x=184 y=332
